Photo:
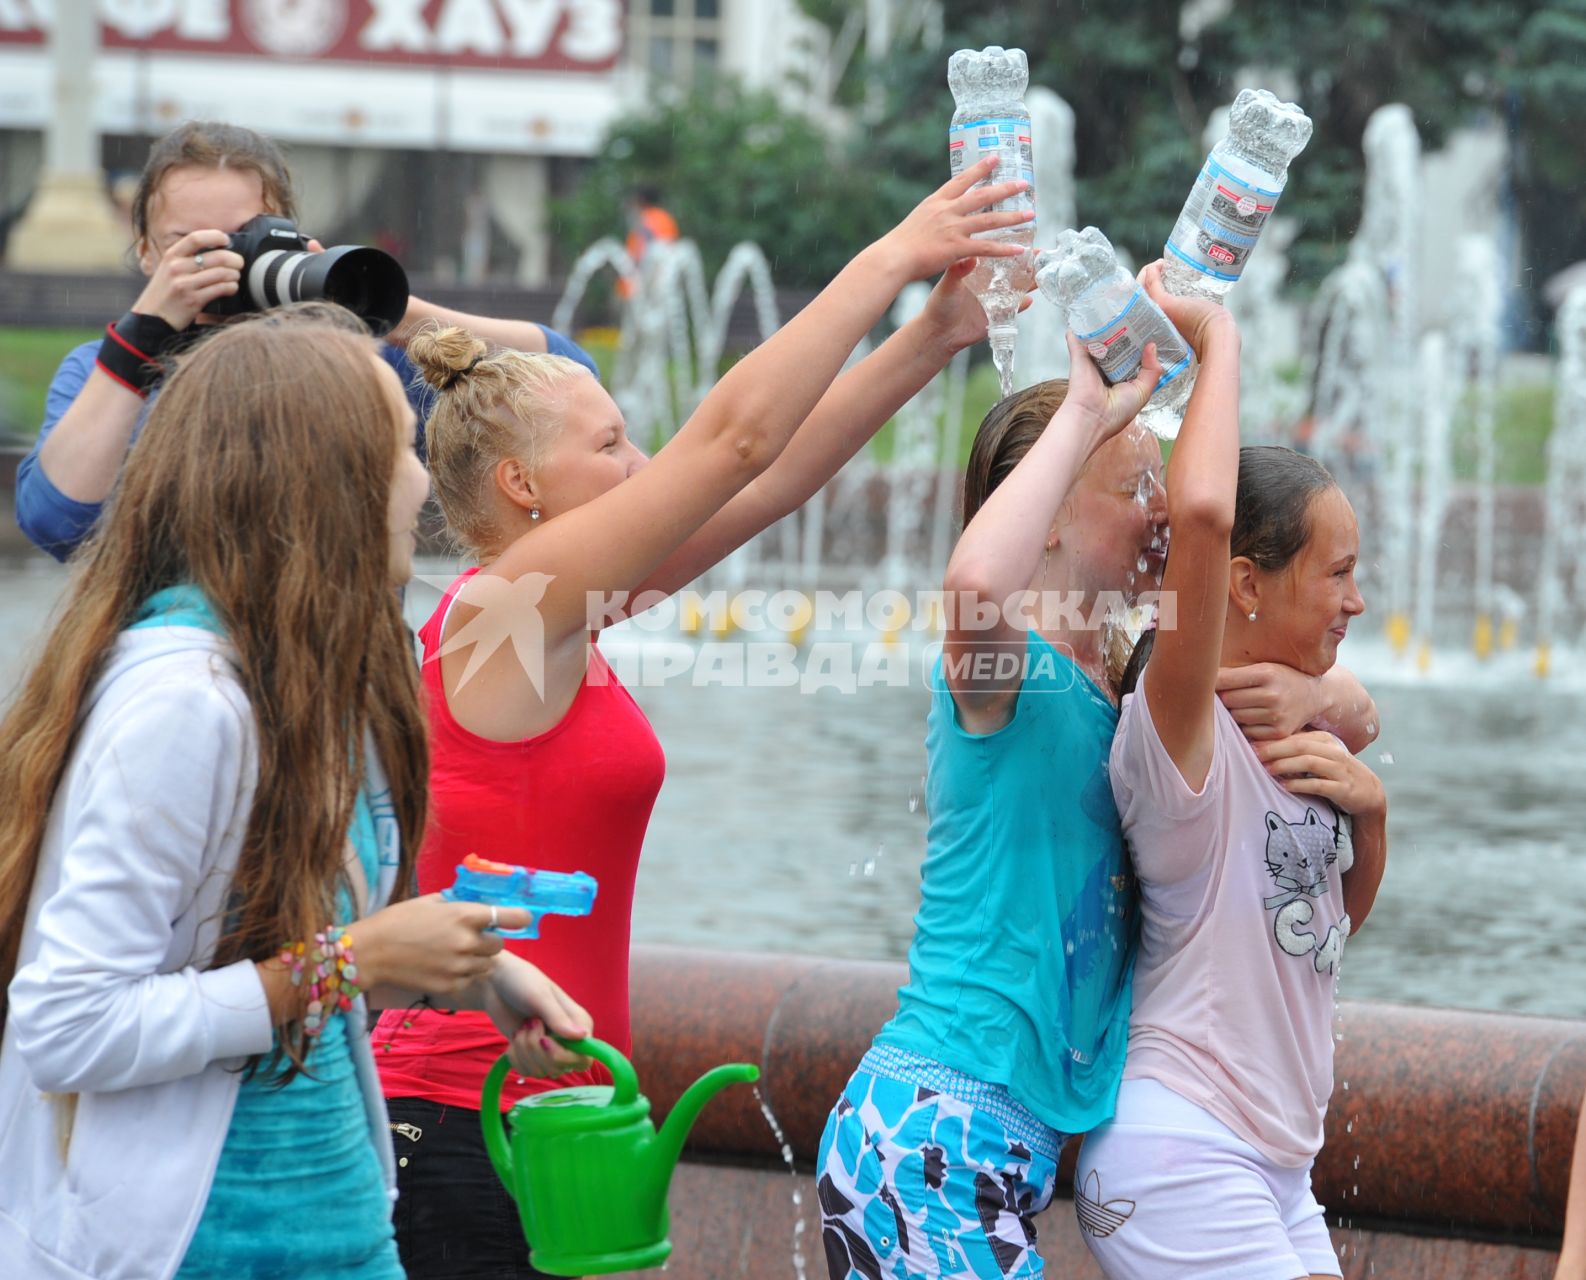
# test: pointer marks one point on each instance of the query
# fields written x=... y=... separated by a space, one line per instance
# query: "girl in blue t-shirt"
x=1011 y=1030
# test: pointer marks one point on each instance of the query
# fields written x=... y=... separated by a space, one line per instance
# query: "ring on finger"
x=493 y=911
x=198 y=261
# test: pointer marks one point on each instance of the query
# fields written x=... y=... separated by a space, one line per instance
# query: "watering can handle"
x=624 y=1080
x=496 y=1144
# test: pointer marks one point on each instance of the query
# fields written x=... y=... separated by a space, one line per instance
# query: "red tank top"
x=574 y=798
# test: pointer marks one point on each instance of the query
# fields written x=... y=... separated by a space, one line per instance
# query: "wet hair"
x=1272 y=506
x=492 y=404
x=210 y=144
x=1125 y=684
x=1272 y=523
x=1006 y=434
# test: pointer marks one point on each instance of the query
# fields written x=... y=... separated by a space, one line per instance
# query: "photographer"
x=202 y=182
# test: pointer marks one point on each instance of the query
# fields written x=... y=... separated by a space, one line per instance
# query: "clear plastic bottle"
x=1112 y=315
x=990 y=118
x=1234 y=195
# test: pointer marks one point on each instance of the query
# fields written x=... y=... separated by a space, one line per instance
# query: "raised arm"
x=614 y=542
x=520 y=335
x=1180 y=681
x=999 y=551
x=857 y=405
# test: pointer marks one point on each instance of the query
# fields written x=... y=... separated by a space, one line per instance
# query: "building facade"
x=438 y=128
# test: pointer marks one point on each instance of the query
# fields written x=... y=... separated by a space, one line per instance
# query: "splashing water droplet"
x=870 y=866
x=798 y=1197
x=1141 y=564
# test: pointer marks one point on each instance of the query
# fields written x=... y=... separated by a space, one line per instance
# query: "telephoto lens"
x=279 y=267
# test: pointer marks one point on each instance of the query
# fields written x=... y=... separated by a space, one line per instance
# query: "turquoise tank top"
x=1019 y=974
x=298 y=1192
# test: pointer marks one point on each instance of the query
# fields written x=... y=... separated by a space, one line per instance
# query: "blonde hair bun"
x=442 y=355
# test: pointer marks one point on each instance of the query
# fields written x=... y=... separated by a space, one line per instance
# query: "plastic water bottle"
x=1114 y=317
x=991 y=119
x=1234 y=195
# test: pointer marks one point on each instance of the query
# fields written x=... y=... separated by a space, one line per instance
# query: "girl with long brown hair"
x=210 y=798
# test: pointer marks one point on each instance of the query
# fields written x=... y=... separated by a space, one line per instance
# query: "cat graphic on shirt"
x=1298 y=856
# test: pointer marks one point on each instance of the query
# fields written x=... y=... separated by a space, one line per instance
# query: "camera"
x=278 y=267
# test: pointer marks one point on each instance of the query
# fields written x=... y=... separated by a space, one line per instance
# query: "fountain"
x=1043 y=349
x=671 y=341
x=1562 y=573
x=1437 y=411
x=1478 y=302
x=1387 y=408
x=1390 y=437
x=1389 y=222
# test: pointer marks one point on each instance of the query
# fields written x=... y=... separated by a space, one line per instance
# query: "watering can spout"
x=669 y=1142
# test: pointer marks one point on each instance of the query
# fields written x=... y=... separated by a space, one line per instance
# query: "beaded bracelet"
x=333 y=982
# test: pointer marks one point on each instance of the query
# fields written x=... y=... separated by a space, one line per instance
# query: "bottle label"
x=1009 y=140
x=1118 y=346
x=1221 y=222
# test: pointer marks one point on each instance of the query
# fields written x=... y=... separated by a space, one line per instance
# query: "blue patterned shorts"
x=925 y=1172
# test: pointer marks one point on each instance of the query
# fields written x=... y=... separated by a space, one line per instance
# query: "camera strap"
x=132 y=349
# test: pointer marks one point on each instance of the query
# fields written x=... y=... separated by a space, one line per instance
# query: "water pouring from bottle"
x=991 y=118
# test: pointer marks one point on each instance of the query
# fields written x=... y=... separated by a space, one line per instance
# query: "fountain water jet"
x=1562 y=577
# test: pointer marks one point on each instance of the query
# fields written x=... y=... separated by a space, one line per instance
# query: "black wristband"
x=132 y=349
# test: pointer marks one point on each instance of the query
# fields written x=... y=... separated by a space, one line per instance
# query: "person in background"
x=648 y=224
x=202 y=182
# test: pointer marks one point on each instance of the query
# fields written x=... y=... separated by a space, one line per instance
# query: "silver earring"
x=534 y=514
x=1252 y=615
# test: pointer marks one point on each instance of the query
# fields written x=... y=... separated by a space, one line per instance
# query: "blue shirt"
x=1019 y=974
x=58 y=524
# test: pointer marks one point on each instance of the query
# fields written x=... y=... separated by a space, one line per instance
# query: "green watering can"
x=587 y=1168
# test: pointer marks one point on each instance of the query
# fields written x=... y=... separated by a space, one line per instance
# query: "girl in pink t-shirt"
x=1255 y=859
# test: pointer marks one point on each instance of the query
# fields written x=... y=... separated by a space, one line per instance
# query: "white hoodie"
x=111 y=999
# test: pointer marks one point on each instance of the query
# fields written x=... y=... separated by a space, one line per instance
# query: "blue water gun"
x=540 y=893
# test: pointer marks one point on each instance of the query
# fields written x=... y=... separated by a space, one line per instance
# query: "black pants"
x=454 y=1219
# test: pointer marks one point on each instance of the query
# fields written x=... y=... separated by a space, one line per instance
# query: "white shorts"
x=1165 y=1190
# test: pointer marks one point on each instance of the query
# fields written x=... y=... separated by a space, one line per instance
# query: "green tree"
x=729 y=165
x=1142 y=92
x=733 y=165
